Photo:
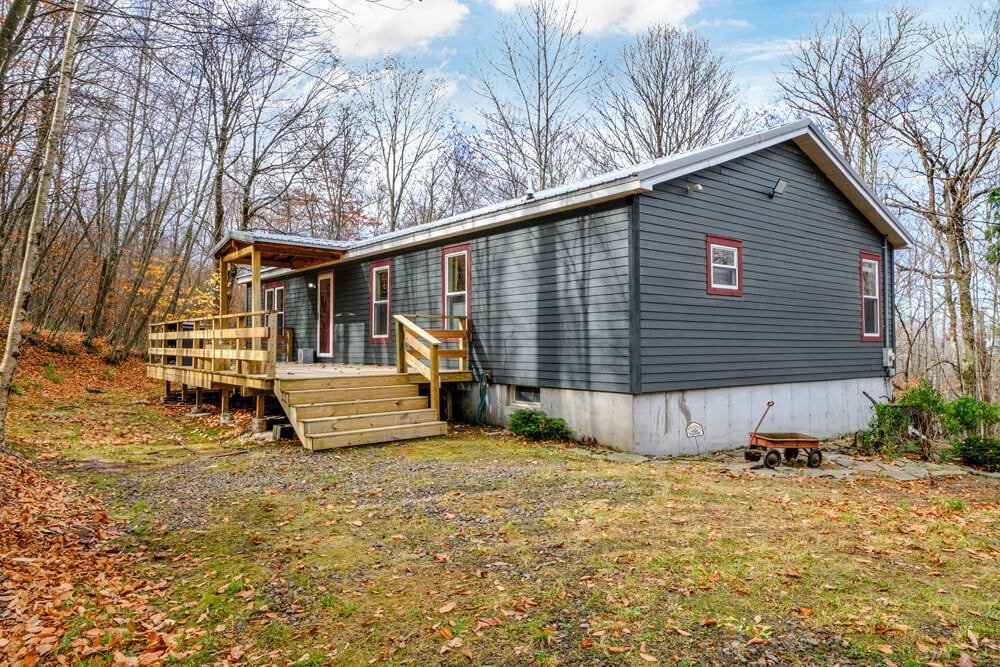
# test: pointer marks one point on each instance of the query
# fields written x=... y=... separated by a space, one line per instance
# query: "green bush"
x=537 y=425
x=966 y=414
x=978 y=451
x=886 y=431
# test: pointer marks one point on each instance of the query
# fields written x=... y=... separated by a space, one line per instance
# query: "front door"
x=324 y=310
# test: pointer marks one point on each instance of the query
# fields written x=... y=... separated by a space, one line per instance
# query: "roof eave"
x=527 y=210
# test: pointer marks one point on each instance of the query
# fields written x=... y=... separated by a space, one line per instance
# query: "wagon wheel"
x=791 y=453
x=815 y=458
x=772 y=459
x=751 y=455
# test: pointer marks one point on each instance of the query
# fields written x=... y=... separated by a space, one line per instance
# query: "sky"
x=447 y=36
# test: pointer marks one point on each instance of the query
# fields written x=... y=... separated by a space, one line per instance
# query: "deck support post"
x=197 y=399
x=166 y=390
x=223 y=287
x=224 y=416
x=184 y=393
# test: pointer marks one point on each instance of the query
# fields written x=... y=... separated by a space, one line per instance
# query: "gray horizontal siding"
x=799 y=316
x=550 y=302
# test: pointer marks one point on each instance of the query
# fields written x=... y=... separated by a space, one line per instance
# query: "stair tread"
x=362 y=415
x=378 y=429
x=354 y=401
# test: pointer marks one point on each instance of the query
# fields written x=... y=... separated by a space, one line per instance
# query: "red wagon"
x=774 y=447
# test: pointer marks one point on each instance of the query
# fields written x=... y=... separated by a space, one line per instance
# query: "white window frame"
x=870 y=259
x=736 y=247
x=377 y=268
x=270 y=301
x=446 y=294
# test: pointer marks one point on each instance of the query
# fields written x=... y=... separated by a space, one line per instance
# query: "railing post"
x=400 y=348
x=272 y=348
x=463 y=344
x=435 y=379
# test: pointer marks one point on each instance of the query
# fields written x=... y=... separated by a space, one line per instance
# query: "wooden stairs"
x=328 y=412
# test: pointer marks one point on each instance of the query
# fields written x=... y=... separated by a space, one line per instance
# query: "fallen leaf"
x=446 y=608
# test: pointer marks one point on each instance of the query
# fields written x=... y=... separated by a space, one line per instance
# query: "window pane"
x=279 y=300
x=527 y=394
x=456 y=273
x=869 y=284
x=723 y=256
x=871 y=316
x=723 y=277
x=381 y=284
x=456 y=304
x=380 y=319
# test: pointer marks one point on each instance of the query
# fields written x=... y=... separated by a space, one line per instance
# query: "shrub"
x=966 y=414
x=978 y=451
x=886 y=431
x=537 y=425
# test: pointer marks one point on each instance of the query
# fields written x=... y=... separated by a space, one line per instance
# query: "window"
x=381 y=298
x=871 y=302
x=455 y=281
x=527 y=395
x=274 y=299
x=723 y=265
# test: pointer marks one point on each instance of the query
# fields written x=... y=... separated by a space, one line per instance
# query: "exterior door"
x=324 y=310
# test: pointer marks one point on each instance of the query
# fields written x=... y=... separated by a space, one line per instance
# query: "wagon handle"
x=769 y=405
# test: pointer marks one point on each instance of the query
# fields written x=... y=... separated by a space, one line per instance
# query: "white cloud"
x=762 y=51
x=621 y=16
x=383 y=28
x=720 y=23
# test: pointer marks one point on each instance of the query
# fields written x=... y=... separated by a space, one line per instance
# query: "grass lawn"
x=482 y=549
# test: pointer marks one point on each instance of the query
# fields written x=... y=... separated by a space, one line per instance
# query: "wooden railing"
x=240 y=343
x=421 y=350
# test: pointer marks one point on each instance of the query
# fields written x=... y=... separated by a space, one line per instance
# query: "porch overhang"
x=277 y=250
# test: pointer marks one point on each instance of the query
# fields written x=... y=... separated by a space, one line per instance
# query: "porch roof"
x=278 y=250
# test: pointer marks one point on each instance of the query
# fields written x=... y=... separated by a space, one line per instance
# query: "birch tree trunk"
x=35 y=224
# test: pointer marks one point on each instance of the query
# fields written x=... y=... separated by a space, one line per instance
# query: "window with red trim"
x=381 y=301
x=723 y=265
x=455 y=281
x=871 y=297
x=274 y=299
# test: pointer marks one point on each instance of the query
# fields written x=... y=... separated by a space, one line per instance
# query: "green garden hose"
x=484 y=387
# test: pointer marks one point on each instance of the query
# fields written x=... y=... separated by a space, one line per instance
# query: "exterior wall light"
x=695 y=187
x=779 y=188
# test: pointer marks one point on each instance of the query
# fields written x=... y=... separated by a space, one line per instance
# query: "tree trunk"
x=35 y=226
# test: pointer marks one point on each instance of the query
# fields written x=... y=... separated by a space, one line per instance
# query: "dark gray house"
x=692 y=289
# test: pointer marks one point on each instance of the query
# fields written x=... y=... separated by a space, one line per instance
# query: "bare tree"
x=534 y=85
x=951 y=125
x=916 y=107
x=850 y=75
x=669 y=93
x=405 y=114
x=35 y=226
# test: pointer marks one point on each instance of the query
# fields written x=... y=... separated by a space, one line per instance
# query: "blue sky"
x=444 y=36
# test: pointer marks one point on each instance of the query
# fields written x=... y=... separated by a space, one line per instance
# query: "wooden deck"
x=329 y=405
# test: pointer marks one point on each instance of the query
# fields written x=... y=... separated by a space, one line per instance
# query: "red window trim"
x=454 y=250
x=264 y=289
x=871 y=257
x=372 y=338
x=710 y=240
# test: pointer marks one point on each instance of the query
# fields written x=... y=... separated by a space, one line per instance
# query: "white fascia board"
x=519 y=213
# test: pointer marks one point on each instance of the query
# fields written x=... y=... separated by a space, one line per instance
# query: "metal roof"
x=622 y=183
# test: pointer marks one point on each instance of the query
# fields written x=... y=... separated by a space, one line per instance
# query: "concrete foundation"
x=657 y=424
